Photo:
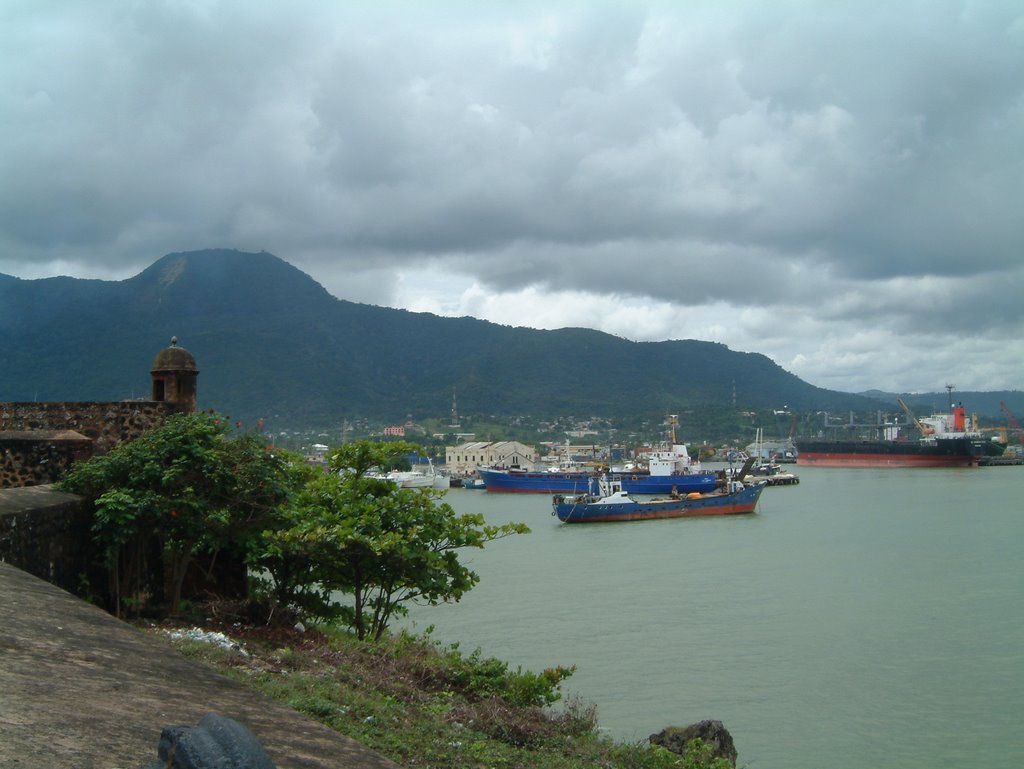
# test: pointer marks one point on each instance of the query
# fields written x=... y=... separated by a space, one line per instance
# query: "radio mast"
x=455 y=411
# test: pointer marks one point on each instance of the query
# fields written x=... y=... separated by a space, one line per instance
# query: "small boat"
x=772 y=474
x=442 y=480
x=473 y=483
x=411 y=479
x=611 y=503
x=415 y=479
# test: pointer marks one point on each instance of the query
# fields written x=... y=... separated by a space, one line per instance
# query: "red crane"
x=1012 y=420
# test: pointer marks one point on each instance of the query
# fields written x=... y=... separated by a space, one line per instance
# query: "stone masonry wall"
x=106 y=424
x=48 y=533
x=34 y=458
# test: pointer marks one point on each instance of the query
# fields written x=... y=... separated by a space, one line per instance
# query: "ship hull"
x=737 y=503
x=953 y=452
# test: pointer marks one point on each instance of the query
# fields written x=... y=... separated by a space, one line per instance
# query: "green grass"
x=424 y=705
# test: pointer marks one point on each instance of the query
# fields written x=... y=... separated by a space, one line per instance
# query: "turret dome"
x=174 y=377
x=174 y=358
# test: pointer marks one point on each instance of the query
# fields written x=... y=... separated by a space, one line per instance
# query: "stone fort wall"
x=49 y=534
x=40 y=456
x=105 y=424
x=39 y=442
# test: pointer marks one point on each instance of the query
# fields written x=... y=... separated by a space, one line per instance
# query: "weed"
x=426 y=705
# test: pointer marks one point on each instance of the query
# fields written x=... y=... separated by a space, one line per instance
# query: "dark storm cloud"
x=851 y=170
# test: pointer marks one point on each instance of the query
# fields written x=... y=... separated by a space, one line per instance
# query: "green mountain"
x=271 y=342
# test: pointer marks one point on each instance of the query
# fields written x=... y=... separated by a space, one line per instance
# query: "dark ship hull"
x=943 y=452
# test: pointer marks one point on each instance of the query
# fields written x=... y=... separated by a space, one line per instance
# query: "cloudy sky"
x=837 y=185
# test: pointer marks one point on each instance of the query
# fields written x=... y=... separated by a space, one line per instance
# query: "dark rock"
x=216 y=743
x=713 y=733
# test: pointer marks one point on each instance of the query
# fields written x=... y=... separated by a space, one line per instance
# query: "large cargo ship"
x=580 y=481
x=946 y=452
x=666 y=470
x=944 y=441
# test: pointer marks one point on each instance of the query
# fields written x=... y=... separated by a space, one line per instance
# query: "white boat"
x=414 y=479
x=411 y=479
x=442 y=479
x=432 y=478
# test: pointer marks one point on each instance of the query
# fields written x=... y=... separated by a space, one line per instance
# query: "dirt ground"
x=80 y=689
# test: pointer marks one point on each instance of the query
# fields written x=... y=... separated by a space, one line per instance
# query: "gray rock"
x=216 y=743
x=713 y=733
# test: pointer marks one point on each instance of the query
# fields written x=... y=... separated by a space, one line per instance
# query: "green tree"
x=363 y=539
x=286 y=566
x=185 y=488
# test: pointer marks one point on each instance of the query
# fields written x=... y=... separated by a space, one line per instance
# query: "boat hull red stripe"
x=884 y=460
x=657 y=515
x=575 y=510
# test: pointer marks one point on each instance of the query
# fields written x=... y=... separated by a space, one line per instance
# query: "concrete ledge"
x=48 y=533
x=21 y=500
x=79 y=689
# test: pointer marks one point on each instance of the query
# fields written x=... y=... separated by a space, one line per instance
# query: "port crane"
x=1012 y=420
x=925 y=429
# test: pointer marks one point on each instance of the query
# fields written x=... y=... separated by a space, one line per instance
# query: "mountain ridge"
x=272 y=342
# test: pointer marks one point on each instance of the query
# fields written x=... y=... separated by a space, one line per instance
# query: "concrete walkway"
x=80 y=689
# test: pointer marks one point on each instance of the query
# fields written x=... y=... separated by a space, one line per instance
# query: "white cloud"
x=836 y=189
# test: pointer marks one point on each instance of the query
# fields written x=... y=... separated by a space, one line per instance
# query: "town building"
x=462 y=460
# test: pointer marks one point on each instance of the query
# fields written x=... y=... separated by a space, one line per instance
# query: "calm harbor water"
x=864 y=618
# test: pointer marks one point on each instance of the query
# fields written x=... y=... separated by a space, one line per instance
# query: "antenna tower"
x=455 y=411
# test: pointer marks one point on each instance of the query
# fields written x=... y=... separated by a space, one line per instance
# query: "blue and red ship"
x=667 y=470
x=611 y=503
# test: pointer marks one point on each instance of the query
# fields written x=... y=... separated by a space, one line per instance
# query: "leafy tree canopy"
x=362 y=539
x=188 y=486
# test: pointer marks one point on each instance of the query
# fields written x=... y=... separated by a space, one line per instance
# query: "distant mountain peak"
x=232 y=275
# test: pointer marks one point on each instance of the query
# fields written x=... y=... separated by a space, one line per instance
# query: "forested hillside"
x=271 y=342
